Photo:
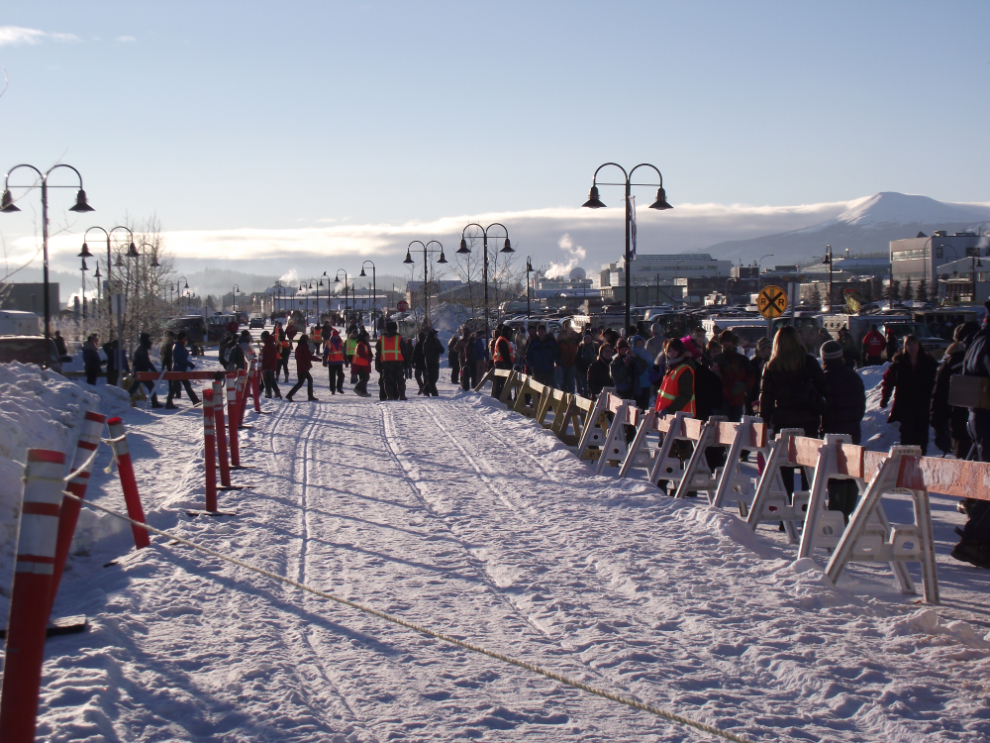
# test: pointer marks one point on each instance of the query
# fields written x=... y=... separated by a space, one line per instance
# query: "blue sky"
x=250 y=115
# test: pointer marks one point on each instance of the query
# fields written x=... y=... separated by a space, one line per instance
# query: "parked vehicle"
x=31 y=350
x=932 y=343
x=14 y=322
x=256 y=321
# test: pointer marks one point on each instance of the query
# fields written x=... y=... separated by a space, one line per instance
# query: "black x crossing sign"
x=772 y=302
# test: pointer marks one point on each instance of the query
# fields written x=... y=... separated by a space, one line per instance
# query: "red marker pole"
x=31 y=595
x=210 y=450
x=256 y=388
x=89 y=440
x=118 y=440
x=235 y=454
x=221 y=434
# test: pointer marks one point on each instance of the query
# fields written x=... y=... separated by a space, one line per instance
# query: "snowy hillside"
x=472 y=520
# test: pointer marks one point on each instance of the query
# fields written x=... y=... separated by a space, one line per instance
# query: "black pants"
x=149 y=384
x=420 y=378
x=977 y=529
x=336 y=378
x=842 y=496
x=394 y=375
x=455 y=368
x=282 y=365
x=432 y=375
x=468 y=375
x=915 y=433
x=549 y=378
x=303 y=377
x=174 y=387
x=111 y=377
x=271 y=383
x=363 y=374
x=92 y=374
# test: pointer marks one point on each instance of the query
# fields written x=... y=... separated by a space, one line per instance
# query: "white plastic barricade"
x=487 y=377
x=595 y=429
x=866 y=541
x=510 y=389
x=771 y=501
x=554 y=402
x=645 y=448
x=534 y=391
x=570 y=419
x=749 y=436
x=615 y=448
x=823 y=528
x=698 y=475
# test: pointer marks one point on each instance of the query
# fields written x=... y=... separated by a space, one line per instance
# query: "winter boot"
x=155 y=403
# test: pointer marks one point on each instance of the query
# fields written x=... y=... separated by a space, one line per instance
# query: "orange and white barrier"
x=30 y=599
x=210 y=450
x=125 y=468
x=624 y=413
x=747 y=437
x=698 y=476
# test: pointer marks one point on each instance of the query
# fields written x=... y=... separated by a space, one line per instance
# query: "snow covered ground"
x=459 y=515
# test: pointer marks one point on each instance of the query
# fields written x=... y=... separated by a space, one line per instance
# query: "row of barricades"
x=674 y=453
x=48 y=521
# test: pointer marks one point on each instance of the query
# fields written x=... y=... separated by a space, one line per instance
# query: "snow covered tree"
x=815 y=296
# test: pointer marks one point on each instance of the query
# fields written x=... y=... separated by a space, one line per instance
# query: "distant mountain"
x=867 y=226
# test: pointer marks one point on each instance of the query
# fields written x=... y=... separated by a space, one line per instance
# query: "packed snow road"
x=456 y=514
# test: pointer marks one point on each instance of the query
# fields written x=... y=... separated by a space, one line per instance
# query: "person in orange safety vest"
x=677 y=388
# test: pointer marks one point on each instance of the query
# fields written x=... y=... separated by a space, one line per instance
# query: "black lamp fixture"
x=661 y=203
x=506 y=248
x=84 y=253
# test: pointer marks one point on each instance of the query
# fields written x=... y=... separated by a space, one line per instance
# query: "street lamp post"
x=109 y=287
x=234 y=289
x=7 y=205
x=506 y=248
x=594 y=202
x=529 y=270
x=758 y=262
x=828 y=260
x=974 y=263
x=337 y=281
x=374 y=294
x=426 y=266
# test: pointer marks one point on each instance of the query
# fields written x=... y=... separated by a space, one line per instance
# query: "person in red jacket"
x=873 y=346
x=269 y=363
x=362 y=363
x=304 y=362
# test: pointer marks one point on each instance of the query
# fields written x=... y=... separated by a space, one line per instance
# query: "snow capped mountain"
x=866 y=226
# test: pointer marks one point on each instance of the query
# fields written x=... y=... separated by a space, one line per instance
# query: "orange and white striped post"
x=118 y=440
x=221 y=433
x=30 y=599
x=210 y=450
x=235 y=454
x=256 y=386
x=89 y=440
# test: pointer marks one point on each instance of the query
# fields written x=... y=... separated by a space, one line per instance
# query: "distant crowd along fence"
x=601 y=431
x=48 y=522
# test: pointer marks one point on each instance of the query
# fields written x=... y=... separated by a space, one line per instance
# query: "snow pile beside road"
x=39 y=409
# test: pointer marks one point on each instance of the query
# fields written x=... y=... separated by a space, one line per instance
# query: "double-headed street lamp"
x=828 y=260
x=7 y=205
x=529 y=270
x=234 y=289
x=374 y=294
x=337 y=281
x=131 y=253
x=594 y=202
x=426 y=266
x=506 y=248
x=178 y=290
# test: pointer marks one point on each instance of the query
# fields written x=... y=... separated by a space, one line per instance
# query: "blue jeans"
x=569 y=379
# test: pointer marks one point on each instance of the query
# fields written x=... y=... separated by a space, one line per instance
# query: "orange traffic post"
x=235 y=454
x=125 y=467
x=210 y=450
x=30 y=599
x=221 y=431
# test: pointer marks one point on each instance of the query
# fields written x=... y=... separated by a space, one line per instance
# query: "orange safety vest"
x=335 y=354
x=392 y=348
x=359 y=360
x=497 y=356
x=317 y=336
x=669 y=390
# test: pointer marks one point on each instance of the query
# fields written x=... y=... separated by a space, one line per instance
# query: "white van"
x=14 y=322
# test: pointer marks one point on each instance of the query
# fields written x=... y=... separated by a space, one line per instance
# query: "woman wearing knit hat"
x=846 y=408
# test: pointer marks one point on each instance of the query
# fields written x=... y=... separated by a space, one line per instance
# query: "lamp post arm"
x=647 y=165
x=625 y=175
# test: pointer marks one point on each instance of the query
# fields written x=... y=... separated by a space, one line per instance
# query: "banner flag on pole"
x=632 y=225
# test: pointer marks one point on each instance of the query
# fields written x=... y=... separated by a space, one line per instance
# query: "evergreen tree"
x=815 y=296
x=921 y=293
x=908 y=291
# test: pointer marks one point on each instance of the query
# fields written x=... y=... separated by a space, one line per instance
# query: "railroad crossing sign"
x=772 y=302
x=402 y=305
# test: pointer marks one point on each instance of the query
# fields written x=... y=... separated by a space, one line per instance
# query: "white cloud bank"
x=586 y=236
x=18 y=36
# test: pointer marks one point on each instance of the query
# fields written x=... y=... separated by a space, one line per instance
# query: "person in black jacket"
x=910 y=379
x=142 y=363
x=600 y=372
x=794 y=392
x=419 y=362
x=949 y=422
x=847 y=406
x=91 y=358
x=432 y=351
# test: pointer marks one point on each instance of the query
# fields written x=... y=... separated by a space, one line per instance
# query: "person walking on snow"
x=542 y=356
x=142 y=363
x=91 y=359
x=432 y=351
x=453 y=358
x=502 y=355
x=269 y=365
x=910 y=380
x=181 y=363
x=847 y=406
x=362 y=361
x=304 y=362
x=873 y=345
x=284 y=351
x=419 y=362
x=391 y=362
x=334 y=361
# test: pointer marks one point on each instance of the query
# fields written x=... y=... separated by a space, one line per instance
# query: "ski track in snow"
x=462 y=516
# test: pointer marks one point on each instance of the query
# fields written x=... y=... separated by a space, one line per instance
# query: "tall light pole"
x=529 y=270
x=828 y=260
x=594 y=202
x=234 y=289
x=109 y=286
x=84 y=254
x=426 y=266
x=975 y=263
x=337 y=281
x=758 y=262
x=374 y=293
x=154 y=262
x=464 y=249
x=7 y=205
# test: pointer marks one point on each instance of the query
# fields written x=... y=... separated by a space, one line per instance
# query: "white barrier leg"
x=638 y=449
x=593 y=434
x=821 y=525
x=771 y=502
x=666 y=466
x=733 y=484
x=697 y=474
x=615 y=440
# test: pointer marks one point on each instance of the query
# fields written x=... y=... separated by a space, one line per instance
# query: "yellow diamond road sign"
x=772 y=302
